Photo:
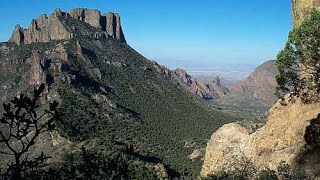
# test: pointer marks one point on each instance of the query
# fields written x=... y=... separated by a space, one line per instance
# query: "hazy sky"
x=200 y=33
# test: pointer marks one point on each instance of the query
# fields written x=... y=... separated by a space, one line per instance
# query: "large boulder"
x=281 y=139
x=17 y=35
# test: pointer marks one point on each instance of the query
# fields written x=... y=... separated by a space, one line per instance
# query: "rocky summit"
x=212 y=89
x=261 y=84
x=54 y=27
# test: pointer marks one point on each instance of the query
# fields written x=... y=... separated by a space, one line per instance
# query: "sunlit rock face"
x=47 y=28
x=261 y=83
x=302 y=8
x=212 y=89
x=281 y=139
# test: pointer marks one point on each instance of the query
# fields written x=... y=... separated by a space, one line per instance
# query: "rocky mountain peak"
x=89 y=16
x=206 y=90
x=58 y=12
x=260 y=83
x=113 y=25
x=56 y=26
x=17 y=35
x=183 y=75
x=219 y=88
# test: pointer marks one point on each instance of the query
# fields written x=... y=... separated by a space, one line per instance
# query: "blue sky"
x=197 y=33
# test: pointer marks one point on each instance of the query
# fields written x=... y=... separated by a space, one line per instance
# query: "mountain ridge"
x=45 y=29
x=108 y=91
x=212 y=89
x=260 y=83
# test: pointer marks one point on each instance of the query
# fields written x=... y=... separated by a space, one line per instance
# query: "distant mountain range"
x=211 y=89
x=259 y=84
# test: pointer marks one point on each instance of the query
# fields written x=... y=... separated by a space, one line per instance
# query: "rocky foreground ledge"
x=46 y=29
x=281 y=139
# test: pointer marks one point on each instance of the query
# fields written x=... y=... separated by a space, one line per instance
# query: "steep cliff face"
x=260 y=83
x=219 y=88
x=46 y=29
x=302 y=8
x=36 y=74
x=206 y=90
x=281 y=139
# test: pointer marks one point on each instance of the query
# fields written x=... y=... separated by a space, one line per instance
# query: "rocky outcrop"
x=54 y=27
x=17 y=35
x=260 y=83
x=57 y=139
x=216 y=85
x=302 y=8
x=45 y=29
x=183 y=75
x=36 y=74
x=207 y=90
x=113 y=26
x=89 y=16
x=54 y=60
x=197 y=154
x=281 y=139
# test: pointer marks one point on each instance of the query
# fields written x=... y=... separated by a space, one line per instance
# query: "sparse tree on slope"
x=299 y=62
x=21 y=126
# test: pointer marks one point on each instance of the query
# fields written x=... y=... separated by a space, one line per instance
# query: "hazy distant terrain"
x=229 y=74
x=251 y=87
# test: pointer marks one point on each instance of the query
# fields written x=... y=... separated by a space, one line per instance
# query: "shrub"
x=247 y=171
x=267 y=174
x=22 y=124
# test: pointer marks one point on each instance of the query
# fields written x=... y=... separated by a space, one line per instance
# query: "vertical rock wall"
x=45 y=29
x=302 y=8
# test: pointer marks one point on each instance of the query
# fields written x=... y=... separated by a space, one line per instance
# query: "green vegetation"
x=251 y=112
x=312 y=134
x=85 y=164
x=109 y=92
x=142 y=106
x=299 y=62
x=21 y=127
x=241 y=170
x=244 y=103
x=245 y=170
